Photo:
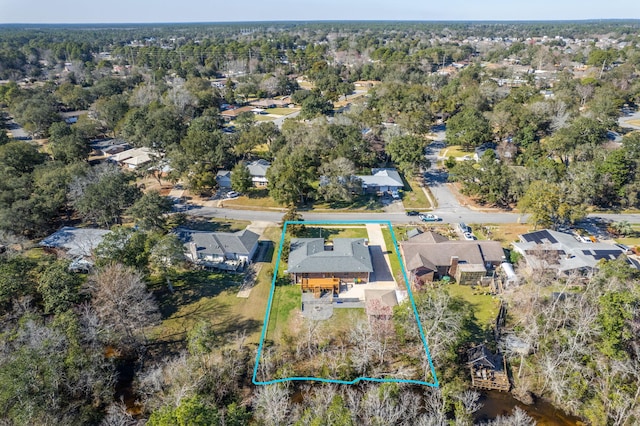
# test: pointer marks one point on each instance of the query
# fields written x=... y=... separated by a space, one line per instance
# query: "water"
x=497 y=403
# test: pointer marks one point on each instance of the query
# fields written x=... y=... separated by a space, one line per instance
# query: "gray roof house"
x=223 y=177
x=347 y=259
x=258 y=172
x=77 y=243
x=222 y=250
x=381 y=180
x=563 y=253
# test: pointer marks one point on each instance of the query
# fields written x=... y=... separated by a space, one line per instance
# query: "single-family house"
x=263 y=103
x=77 y=244
x=320 y=267
x=381 y=180
x=563 y=253
x=108 y=147
x=231 y=114
x=258 y=171
x=223 y=178
x=133 y=158
x=221 y=250
x=430 y=256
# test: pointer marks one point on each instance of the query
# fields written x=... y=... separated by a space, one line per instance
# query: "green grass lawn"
x=414 y=198
x=286 y=300
x=485 y=306
x=216 y=225
x=255 y=198
x=396 y=270
x=212 y=296
x=282 y=111
x=368 y=202
x=454 y=151
x=331 y=232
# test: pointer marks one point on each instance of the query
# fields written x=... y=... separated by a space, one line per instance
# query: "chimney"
x=453 y=266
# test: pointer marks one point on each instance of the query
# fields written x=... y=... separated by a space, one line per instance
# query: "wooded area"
x=539 y=103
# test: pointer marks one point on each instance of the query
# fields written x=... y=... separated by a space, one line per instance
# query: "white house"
x=381 y=180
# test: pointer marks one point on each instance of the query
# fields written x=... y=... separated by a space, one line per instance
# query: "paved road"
x=436 y=179
x=278 y=121
x=467 y=216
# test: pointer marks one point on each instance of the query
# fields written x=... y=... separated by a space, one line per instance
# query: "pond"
x=497 y=403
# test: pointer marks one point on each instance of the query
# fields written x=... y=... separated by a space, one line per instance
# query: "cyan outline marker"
x=435 y=383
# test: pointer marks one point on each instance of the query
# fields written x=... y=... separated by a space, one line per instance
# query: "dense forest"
x=539 y=104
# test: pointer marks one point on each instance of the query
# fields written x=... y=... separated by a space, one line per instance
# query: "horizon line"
x=282 y=21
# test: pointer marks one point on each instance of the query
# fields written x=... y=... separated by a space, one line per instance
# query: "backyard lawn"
x=485 y=306
x=212 y=296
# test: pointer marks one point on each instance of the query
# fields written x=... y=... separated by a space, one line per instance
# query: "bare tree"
x=121 y=299
x=272 y=405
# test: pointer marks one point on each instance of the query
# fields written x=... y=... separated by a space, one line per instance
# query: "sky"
x=139 y=11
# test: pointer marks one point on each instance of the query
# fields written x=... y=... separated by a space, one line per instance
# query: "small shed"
x=488 y=370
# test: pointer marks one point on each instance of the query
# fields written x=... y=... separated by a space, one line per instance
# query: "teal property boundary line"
x=255 y=381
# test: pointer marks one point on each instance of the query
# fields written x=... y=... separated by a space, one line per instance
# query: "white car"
x=233 y=194
x=469 y=236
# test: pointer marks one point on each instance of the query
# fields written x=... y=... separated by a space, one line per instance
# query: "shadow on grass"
x=215 y=225
x=266 y=250
x=369 y=202
x=256 y=193
x=191 y=286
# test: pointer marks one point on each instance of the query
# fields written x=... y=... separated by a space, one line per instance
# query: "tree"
x=291 y=176
x=150 y=210
x=106 y=198
x=66 y=144
x=110 y=110
x=120 y=299
x=469 y=128
x=166 y=255
x=546 y=205
x=59 y=287
x=338 y=182
x=20 y=157
x=191 y=411
x=292 y=215
x=407 y=152
x=241 y=178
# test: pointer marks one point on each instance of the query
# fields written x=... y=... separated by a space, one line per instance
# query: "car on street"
x=430 y=218
x=412 y=213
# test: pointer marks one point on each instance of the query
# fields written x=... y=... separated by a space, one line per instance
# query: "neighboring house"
x=76 y=243
x=381 y=180
x=430 y=257
x=320 y=267
x=231 y=114
x=223 y=178
x=258 y=171
x=479 y=151
x=263 y=103
x=133 y=158
x=108 y=147
x=563 y=253
x=222 y=250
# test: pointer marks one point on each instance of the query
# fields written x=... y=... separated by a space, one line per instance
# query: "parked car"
x=469 y=236
x=430 y=218
x=463 y=227
x=625 y=249
x=412 y=213
x=395 y=195
x=233 y=194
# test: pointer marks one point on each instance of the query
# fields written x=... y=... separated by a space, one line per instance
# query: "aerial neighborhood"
x=298 y=222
